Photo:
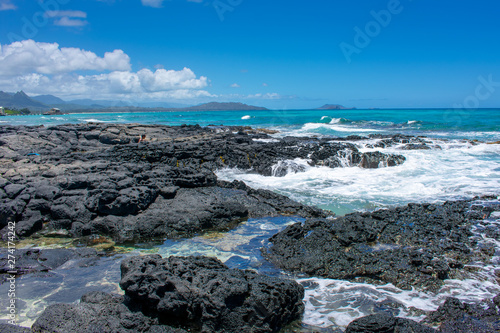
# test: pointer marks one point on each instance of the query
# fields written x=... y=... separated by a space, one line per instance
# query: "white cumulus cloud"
x=117 y=84
x=46 y=68
x=163 y=79
x=48 y=58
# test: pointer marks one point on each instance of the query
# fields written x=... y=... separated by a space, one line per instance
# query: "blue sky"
x=279 y=54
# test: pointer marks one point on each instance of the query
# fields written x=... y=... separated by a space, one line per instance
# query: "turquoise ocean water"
x=458 y=167
x=473 y=124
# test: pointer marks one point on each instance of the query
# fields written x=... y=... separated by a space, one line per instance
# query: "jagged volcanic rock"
x=205 y=295
x=413 y=246
x=106 y=179
x=98 y=312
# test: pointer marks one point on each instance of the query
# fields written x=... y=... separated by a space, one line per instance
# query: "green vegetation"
x=15 y=112
x=12 y=112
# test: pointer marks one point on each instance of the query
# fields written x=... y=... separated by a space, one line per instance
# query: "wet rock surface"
x=418 y=245
x=98 y=312
x=384 y=323
x=7 y=328
x=203 y=294
x=453 y=316
x=37 y=260
x=457 y=316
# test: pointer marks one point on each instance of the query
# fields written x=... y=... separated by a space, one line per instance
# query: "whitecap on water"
x=246 y=117
x=333 y=128
x=92 y=120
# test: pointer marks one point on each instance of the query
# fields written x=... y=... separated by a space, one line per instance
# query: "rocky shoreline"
x=180 y=294
x=200 y=294
x=133 y=183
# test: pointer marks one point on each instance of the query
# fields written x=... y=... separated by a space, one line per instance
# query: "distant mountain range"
x=334 y=107
x=79 y=104
x=20 y=100
x=39 y=103
x=43 y=103
x=48 y=99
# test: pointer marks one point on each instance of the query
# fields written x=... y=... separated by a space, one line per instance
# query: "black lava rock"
x=99 y=179
x=203 y=294
x=97 y=312
x=36 y=260
x=451 y=317
x=7 y=328
x=412 y=246
x=385 y=323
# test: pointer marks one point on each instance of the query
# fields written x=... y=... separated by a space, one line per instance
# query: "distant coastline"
x=153 y=110
x=19 y=103
x=213 y=106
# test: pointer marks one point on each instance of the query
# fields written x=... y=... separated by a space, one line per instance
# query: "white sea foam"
x=289 y=167
x=337 y=303
x=266 y=140
x=412 y=122
x=486 y=135
x=458 y=170
x=246 y=117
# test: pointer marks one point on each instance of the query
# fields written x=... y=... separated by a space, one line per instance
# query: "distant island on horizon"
x=334 y=107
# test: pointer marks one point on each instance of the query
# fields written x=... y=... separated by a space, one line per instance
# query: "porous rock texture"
x=417 y=245
x=205 y=295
